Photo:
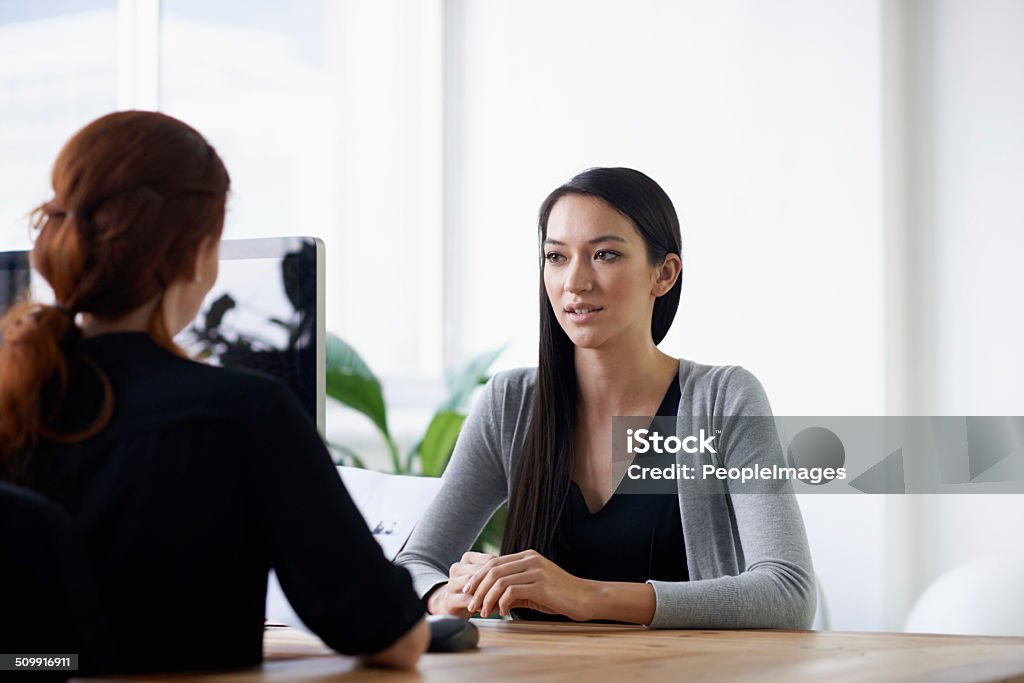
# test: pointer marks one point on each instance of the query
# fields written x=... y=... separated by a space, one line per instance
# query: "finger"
x=490 y=600
x=517 y=562
x=457 y=602
x=472 y=557
x=457 y=583
x=453 y=604
x=527 y=595
x=514 y=596
x=445 y=601
x=484 y=569
x=524 y=554
x=463 y=569
x=480 y=587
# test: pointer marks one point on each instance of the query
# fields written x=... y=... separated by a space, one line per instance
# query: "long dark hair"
x=135 y=194
x=540 y=483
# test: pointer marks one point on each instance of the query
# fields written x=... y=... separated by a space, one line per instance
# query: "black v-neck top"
x=633 y=538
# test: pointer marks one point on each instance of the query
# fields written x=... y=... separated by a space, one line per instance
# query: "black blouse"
x=204 y=480
x=633 y=538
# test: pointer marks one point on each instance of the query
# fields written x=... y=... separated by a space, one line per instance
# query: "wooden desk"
x=576 y=653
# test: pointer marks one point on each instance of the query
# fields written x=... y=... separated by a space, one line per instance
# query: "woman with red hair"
x=187 y=482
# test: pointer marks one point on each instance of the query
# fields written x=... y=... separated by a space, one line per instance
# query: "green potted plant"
x=351 y=382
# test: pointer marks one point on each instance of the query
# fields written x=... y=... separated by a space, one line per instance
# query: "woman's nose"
x=579 y=277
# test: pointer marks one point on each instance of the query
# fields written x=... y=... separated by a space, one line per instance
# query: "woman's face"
x=598 y=278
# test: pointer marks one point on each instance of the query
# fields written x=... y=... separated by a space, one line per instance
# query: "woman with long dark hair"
x=541 y=439
x=187 y=482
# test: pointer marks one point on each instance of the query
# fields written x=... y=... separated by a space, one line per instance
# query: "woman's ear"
x=668 y=272
x=197 y=263
x=204 y=253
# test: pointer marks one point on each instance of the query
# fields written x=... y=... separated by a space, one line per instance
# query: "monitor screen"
x=265 y=311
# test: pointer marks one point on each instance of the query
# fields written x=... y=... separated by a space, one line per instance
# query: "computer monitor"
x=266 y=311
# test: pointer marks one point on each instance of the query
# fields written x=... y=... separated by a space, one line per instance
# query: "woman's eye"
x=605 y=255
x=553 y=257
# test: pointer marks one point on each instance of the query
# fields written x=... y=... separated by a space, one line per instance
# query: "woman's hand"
x=404 y=652
x=449 y=598
x=530 y=580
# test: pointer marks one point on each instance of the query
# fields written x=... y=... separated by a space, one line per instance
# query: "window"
x=58 y=69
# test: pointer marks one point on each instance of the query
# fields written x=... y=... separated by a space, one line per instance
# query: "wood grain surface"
x=583 y=653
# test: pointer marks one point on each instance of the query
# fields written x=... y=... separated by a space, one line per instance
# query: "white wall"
x=56 y=73
x=968 y=207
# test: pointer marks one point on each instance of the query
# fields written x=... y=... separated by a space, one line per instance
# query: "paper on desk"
x=391 y=504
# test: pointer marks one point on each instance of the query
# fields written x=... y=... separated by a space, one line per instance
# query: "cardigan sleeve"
x=775 y=587
x=474 y=485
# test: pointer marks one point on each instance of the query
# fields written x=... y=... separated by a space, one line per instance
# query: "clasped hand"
x=487 y=583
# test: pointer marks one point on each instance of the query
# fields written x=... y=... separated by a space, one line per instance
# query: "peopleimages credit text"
x=643 y=441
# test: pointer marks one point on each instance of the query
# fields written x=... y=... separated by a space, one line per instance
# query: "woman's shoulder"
x=234 y=379
x=515 y=380
x=735 y=376
x=204 y=397
x=509 y=395
x=166 y=387
x=700 y=377
x=242 y=392
x=722 y=389
x=134 y=361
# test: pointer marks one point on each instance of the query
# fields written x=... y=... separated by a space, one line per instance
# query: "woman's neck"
x=622 y=382
x=136 y=321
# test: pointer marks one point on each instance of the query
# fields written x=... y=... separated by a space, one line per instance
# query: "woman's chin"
x=587 y=340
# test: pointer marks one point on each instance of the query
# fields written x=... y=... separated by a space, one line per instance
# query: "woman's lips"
x=583 y=315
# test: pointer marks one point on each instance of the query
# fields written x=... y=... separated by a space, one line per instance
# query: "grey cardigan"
x=747 y=554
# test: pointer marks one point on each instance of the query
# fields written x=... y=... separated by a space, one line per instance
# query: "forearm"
x=618 y=601
x=425 y=575
x=754 y=599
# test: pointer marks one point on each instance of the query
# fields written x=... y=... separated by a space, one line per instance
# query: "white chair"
x=982 y=597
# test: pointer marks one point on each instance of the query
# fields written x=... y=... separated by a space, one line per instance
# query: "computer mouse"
x=451 y=634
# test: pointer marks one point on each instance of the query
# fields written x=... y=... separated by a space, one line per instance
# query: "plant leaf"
x=439 y=441
x=350 y=381
x=462 y=382
x=344 y=452
x=217 y=310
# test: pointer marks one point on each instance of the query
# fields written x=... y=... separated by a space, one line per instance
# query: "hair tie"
x=65 y=311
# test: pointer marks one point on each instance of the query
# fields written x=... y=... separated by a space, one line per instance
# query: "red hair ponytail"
x=136 y=193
